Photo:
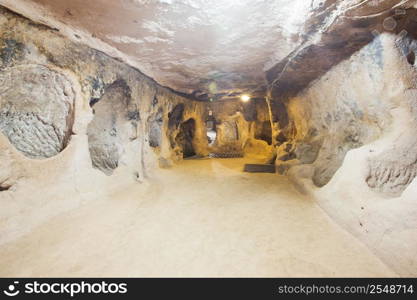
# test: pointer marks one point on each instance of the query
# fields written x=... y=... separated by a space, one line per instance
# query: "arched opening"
x=411 y=58
x=264 y=131
x=185 y=138
x=211 y=129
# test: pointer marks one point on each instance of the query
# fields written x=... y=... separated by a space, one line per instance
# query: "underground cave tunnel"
x=208 y=138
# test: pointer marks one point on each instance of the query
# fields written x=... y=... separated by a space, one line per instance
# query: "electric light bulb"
x=245 y=98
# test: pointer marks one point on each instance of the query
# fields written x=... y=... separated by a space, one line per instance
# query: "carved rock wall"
x=36 y=109
x=130 y=123
x=69 y=116
x=354 y=132
x=345 y=109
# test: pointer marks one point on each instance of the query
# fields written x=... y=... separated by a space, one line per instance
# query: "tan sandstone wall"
x=354 y=134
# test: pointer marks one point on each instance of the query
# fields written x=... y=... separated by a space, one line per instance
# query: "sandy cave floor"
x=201 y=218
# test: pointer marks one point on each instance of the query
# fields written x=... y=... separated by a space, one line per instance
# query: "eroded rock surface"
x=393 y=169
x=156 y=129
x=392 y=177
x=345 y=109
x=37 y=64
x=299 y=81
x=107 y=133
x=36 y=109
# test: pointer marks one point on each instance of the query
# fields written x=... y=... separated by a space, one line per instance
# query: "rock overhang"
x=219 y=49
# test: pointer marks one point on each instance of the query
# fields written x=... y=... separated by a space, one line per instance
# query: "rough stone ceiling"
x=208 y=48
x=193 y=46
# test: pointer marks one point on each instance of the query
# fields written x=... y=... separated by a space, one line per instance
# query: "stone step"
x=259 y=168
x=226 y=155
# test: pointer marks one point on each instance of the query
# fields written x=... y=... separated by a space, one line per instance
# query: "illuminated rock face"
x=53 y=89
x=346 y=109
x=328 y=97
x=352 y=133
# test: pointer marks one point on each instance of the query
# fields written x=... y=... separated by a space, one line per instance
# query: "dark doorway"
x=411 y=58
x=211 y=130
x=185 y=138
x=264 y=132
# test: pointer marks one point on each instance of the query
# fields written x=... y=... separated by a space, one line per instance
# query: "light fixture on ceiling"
x=245 y=98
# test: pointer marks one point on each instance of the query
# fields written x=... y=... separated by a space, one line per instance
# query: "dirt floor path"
x=201 y=218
